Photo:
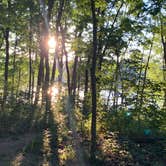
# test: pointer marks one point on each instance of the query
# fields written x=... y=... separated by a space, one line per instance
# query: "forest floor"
x=51 y=138
x=11 y=149
x=37 y=137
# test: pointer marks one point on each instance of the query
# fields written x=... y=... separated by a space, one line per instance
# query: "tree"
x=6 y=37
x=93 y=82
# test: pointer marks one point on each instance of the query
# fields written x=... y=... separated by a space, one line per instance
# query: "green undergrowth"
x=21 y=118
x=122 y=140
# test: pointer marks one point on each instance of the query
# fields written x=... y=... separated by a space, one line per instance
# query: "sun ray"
x=52 y=43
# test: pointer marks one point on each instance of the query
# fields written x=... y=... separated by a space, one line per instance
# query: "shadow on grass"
x=43 y=150
x=41 y=147
x=118 y=150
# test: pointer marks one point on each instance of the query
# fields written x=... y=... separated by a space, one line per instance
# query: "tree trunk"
x=14 y=67
x=74 y=77
x=116 y=96
x=78 y=88
x=67 y=65
x=53 y=69
x=93 y=83
x=143 y=86
x=85 y=107
x=30 y=61
x=60 y=62
x=47 y=76
x=33 y=83
x=163 y=40
x=59 y=16
x=74 y=73
x=18 y=83
x=40 y=75
x=6 y=36
x=55 y=56
x=41 y=72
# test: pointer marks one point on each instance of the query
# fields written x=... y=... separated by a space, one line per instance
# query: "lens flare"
x=51 y=43
x=53 y=91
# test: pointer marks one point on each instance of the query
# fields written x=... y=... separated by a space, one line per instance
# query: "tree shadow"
x=119 y=150
x=47 y=142
x=39 y=121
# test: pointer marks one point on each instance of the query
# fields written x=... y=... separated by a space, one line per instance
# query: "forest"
x=82 y=83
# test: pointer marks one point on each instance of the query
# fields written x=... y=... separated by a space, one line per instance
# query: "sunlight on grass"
x=56 y=91
x=67 y=153
x=53 y=91
x=46 y=147
x=18 y=160
x=65 y=150
x=113 y=150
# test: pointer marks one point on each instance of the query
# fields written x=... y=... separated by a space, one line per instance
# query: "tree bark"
x=18 y=83
x=58 y=20
x=14 y=66
x=93 y=83
x=143 y=87
x=74 y=73
x=67 y=65
x=85 y=108
x=30 y=59
x=116 y=96
x=163 y=40
x=6 y=36
x=74 y=77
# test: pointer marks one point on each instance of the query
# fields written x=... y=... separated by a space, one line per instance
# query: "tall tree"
x=6 y=37
x=63 y=33
x=93 y=82
x=163 y=40
x=57 y=31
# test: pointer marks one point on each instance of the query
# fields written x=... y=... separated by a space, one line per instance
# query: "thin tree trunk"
x=59 y=16
x=47 y=76
x=74 y=73
x=44 y=34
x=18 y=83
x=143 y=86
x=74 y=77
x=93 y=83
x=30 y=61
x=163 y=40
x=67 y=65
x=139 y=85
x=33 y=83
x=145 y=75
x=78 y=89
x=14 y=67
x=41 y=72
x=6 y=36
x=55 y=56
x=85 y=107
x=40 y=76
x=116 y=96
x=53 y=69
x=60 y=62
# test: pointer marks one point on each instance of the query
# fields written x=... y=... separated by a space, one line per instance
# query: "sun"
x=51 y=43
x=53 y=91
